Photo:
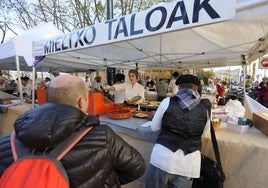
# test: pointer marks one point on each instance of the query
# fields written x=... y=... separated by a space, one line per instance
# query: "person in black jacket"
x=176 y=158
x=99 y=159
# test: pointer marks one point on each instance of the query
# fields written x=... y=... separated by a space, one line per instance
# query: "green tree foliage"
x=205 y=75
x=66 y=15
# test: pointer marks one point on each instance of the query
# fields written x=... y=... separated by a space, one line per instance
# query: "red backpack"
x=39 y=171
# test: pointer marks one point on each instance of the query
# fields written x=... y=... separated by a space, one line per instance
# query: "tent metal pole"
x=110 y=11
x=244 y=78
x=161 y=49
x=19 y=77
x=33 y=88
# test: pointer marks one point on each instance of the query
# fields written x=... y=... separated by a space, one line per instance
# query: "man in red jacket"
x=220 y=92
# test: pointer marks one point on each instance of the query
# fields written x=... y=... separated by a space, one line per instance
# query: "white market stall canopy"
x=177 y=35
x=21 y=46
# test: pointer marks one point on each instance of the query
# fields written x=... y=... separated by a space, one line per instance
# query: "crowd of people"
x=121 y=91
x=102 y=158
x=162 y=87
x=68 y=94
x=12 y=86
x=8 y=85
x=260 y=92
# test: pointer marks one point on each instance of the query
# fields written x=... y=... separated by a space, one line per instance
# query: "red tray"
x=119 y=114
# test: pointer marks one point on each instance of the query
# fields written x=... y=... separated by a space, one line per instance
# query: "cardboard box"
x=260 y=121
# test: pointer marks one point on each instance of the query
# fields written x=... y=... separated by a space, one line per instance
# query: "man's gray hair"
x=66 y=92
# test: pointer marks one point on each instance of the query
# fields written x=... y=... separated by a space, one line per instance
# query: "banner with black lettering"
x=164 y=17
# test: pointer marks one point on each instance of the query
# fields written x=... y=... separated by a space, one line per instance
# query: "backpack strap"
x=19 y=150
x=17 y=147
x=66 y=145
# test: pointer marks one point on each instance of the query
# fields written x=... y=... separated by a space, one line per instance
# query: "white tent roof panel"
x=22 y=46
x=215 y=44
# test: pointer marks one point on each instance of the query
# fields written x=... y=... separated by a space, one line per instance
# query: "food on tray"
x=150 y=104
x=134 y=99
x=144 y=115
x=154 y=103
x=141 y=115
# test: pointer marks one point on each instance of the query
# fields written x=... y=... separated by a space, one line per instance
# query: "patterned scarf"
x=188 y=99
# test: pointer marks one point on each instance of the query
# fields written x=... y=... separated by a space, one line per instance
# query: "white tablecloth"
x=243 y=156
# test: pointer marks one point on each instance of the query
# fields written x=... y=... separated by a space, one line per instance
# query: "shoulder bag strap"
x=216 y=149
